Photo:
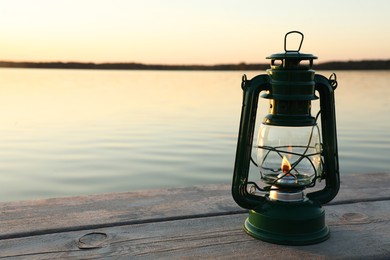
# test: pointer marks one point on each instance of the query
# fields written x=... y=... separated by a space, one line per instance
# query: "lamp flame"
x=286 y=166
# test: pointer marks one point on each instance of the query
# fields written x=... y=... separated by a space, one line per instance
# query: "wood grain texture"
x=24 y=218
x=201 y=221
x=359 y=230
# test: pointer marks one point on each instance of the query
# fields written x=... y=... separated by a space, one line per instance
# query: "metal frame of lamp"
x=292 y=153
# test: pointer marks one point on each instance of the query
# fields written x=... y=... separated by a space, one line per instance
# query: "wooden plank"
x=363 y=187
x=26 y=218
x=51 y=215
x=358 y=230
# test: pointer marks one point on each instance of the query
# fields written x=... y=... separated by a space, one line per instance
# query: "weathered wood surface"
x=359 y=230
x=187 y=223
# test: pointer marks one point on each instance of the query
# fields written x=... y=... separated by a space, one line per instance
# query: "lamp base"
x=288 y=223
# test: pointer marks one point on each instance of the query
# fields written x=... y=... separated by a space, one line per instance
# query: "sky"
x=190 y=31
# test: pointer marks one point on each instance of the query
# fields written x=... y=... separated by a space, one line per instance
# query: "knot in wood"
x=354 y=217
x=92 y=240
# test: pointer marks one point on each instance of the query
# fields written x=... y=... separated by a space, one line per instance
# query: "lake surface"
x=74 y=132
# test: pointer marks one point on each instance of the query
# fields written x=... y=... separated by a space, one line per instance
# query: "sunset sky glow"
x=189 y=31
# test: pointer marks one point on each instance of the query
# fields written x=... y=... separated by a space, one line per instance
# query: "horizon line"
x=332 y=65
x=179 y=64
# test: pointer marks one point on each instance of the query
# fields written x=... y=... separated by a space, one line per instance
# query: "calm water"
x=73 y=132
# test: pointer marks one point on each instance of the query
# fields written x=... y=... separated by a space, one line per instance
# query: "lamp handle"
x=285 y=41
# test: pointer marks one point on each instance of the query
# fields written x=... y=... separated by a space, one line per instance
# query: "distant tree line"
x=335 y=65
x=128 y=66
x=355 y=65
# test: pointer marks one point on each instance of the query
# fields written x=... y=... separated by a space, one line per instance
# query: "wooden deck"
x=195 y=222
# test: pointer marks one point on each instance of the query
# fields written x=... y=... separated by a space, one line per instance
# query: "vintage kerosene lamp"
x=292 y=152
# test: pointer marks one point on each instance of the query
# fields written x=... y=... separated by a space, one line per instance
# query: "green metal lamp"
x=292 y=152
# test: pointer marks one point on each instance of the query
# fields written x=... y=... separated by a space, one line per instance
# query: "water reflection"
x=70 y=132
